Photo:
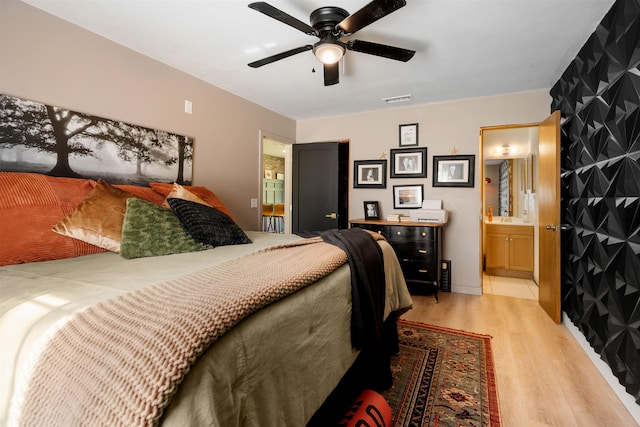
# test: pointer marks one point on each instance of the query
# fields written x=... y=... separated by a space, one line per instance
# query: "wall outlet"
x=254 y=203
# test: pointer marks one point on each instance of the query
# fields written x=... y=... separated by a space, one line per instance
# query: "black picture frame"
x=409 y=162
x=408 y=135
x=371 y=210
x=370 y=173
x=454 y=171
x=408 y=196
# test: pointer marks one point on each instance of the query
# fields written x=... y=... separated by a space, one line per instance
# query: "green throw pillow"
x=151 y=230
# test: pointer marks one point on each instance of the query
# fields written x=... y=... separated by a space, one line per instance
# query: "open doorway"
x=275 y=184
x=509 y=210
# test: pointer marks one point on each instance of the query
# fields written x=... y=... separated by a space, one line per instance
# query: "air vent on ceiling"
x=394 y=99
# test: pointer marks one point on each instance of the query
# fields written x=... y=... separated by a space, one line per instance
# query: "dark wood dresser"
x=418 y=246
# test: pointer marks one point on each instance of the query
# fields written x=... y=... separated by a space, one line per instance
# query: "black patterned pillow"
x=206 y=224
x=151 y=230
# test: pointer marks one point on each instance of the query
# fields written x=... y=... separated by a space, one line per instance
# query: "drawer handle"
x=422 y=271
x=398 y=232
x=379 y=232
x=424 y=234
x=422 y=251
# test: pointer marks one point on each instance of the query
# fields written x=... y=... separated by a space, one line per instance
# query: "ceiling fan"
x=330 y=24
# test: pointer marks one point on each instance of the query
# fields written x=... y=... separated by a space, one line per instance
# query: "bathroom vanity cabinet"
x=509 y=250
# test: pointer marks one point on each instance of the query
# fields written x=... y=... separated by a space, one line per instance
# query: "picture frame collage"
x=409 y=160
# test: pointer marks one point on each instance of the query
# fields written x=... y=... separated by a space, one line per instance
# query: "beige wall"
x=441 y=127
x=45 y=59
x=49 y=60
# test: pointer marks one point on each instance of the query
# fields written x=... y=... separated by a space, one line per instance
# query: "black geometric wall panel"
x=599 y=98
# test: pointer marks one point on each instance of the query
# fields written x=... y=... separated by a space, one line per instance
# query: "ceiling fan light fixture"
x=328 y=52
x=330 y=24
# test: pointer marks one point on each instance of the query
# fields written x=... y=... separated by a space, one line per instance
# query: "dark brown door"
x=320 y=184
x=549 y=215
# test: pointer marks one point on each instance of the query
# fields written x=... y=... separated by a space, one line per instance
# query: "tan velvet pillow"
x=179 y=192
x=98 y=219
x=204 y=193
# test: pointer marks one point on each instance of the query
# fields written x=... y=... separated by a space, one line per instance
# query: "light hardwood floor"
x=509 y=287
x=544 y=377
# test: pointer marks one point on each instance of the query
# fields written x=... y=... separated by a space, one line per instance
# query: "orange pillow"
x=203 y=192
x=145 y=193
x=98 y=219
x=30 y=205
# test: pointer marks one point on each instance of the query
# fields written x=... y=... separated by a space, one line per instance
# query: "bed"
x=273 y=364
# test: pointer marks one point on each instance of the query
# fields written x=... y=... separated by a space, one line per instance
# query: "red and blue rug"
x=443 y=377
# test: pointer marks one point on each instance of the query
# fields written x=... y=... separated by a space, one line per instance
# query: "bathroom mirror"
x=508 y=186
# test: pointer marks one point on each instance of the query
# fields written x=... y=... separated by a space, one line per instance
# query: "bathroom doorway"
x=509 y=203
x=275 y=184
x=503 y=242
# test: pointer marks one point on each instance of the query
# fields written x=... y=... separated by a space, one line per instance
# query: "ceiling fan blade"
x=285 y=18
x=368 y=14
x=331 y=74
x=279 y=56
x=383 y=50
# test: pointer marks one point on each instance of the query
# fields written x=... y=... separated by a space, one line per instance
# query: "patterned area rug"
x=443 y=377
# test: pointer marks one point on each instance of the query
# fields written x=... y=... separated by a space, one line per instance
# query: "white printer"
x=431 y=211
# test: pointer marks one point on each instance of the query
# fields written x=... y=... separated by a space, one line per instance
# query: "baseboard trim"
x=462 y=289
x=604 y=369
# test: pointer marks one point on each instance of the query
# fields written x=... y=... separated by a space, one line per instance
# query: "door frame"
x=484 y=129
x=288 y=142
x=548 y=272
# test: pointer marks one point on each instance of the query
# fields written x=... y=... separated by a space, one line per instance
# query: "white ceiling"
x=464 y=48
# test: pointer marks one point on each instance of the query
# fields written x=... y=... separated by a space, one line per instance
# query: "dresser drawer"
x=400 y=234
x=418 y=271
x=415 y=252
x=380 y=229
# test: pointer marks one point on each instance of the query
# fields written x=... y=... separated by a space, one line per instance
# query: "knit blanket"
x=119 y=362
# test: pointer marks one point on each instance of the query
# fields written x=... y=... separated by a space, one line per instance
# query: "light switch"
x=254 y=203
x=188 y=106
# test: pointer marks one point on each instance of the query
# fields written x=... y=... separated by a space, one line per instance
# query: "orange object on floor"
x=369 y=409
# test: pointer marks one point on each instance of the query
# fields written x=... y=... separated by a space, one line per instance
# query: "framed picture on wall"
x=454 y=171
x=370 y=174
x=408 y=196
x=408 y=135
x=371 y=210
x=409 y=162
